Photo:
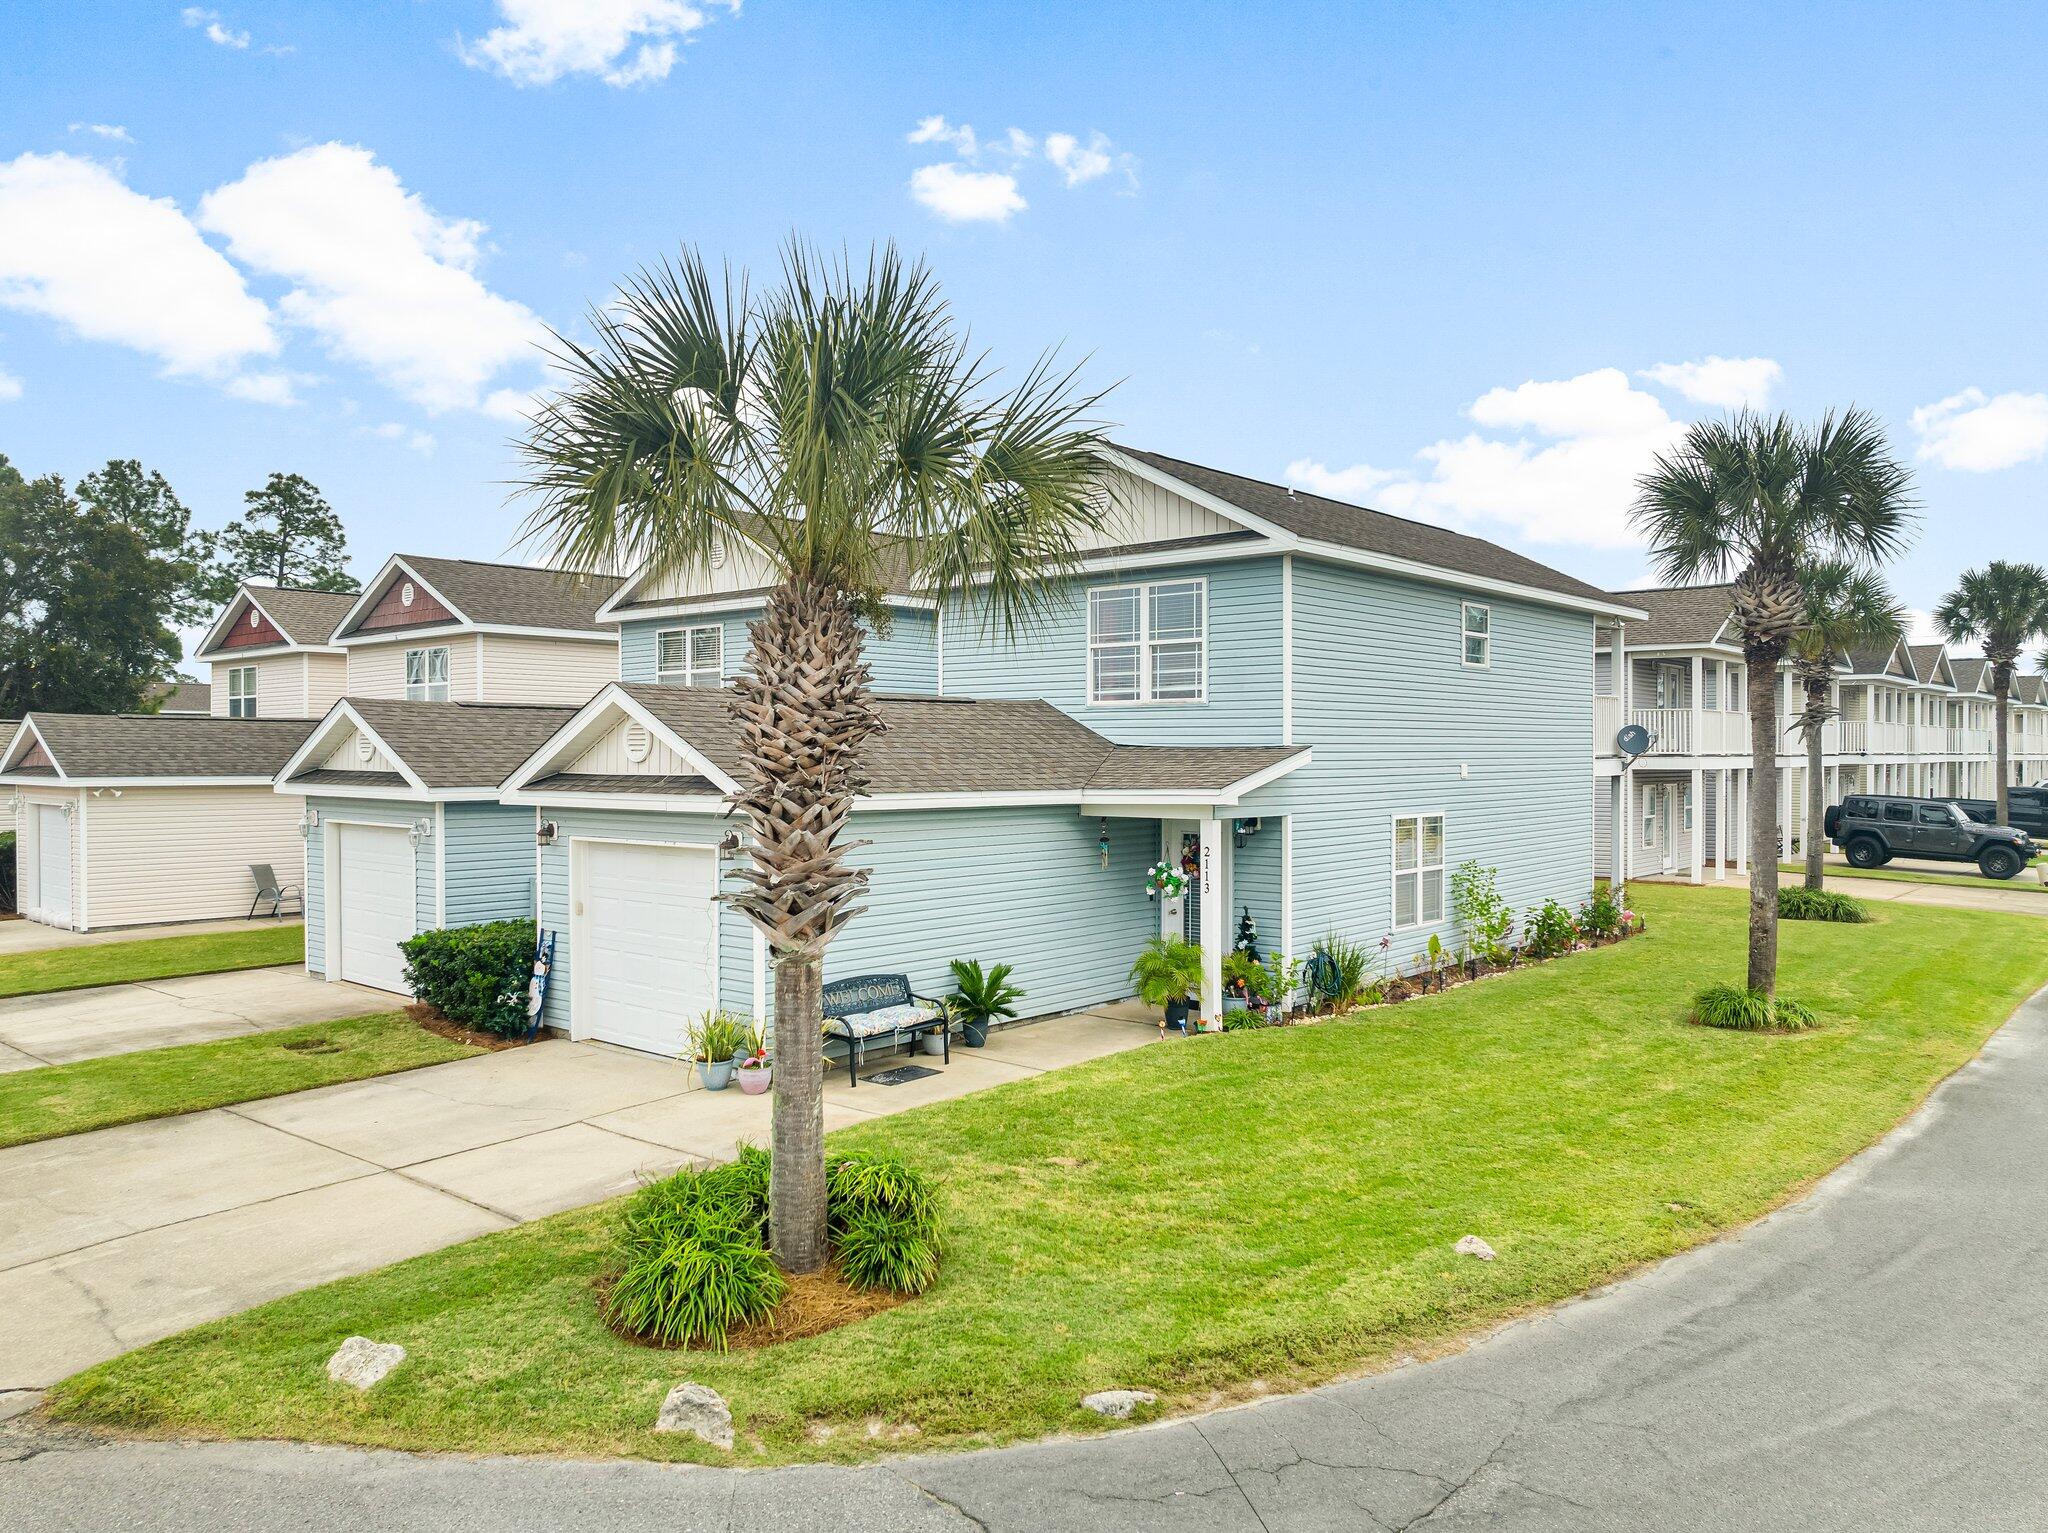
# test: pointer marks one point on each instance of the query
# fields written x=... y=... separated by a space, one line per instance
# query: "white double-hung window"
x=242 y=692
x=690 y=657
x=426 y=675
x=1478 y=622
x=1149 y=643
x=1418 y=870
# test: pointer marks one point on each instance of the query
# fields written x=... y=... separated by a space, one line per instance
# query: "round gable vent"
x=255 y=618
x=637 y=743
x=406 y=594
x=718 y=550
x=364 y=749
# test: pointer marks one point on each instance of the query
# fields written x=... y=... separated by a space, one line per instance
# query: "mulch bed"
x=432 y=1020
x=815 y=1302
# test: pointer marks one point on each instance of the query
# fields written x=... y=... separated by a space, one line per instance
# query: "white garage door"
x=375 y=905
x=645 y=947
x=53 y=863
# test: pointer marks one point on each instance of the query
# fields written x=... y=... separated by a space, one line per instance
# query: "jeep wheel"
x=1866 y=852
x=1998 y=862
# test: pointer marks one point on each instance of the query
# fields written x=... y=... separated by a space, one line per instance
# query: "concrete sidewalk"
x=67 y=1025
x=114 y=1238
x=25 y=936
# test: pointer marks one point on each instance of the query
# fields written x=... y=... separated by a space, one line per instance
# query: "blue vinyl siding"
x=1255 y=885
x=1050 y=660
x=490 y=863
x=376 y=812
x=1399 y=726
x=905 y=660
x=1019 y=886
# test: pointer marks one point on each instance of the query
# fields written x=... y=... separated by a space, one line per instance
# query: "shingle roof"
x=626 y=782
x=183 y=696
x=979 y=745
x=459 y=745
x=1678 y=614
x=1973 y=673
x=1926 y=659
x=131 y=745
x=335 y=777
x=304 y=617
x=1872 y=660
x=1336 y=521
x=518 y=595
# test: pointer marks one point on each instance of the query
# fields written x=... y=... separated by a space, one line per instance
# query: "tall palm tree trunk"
x=1762 y=661
x=2001 y=694
x=1813 y=725
x=804 y=708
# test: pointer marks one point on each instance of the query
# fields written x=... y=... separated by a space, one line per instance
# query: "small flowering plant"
x=1165 y=881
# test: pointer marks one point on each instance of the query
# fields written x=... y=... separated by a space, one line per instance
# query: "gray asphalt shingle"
x=130 y=745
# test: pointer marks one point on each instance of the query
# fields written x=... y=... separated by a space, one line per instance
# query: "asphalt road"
x=1873 y=1357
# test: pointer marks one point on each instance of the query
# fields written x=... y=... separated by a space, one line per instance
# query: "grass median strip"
x=2028 y=881
x=120 y=963
x=157 y=1083
x=1204 y=1218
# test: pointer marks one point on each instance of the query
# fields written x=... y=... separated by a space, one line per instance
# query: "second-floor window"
x=1149 y=643
x=426 y=675
x=242 y=692
x=1478 y=635
x=690 y=657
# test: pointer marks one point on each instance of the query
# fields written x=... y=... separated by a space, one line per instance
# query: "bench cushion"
x=886 y=1019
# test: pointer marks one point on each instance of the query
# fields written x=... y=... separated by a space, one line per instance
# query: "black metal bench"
x=871 y=1006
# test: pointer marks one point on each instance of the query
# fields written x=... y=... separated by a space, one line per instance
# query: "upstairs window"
x=426 y=675
x=1418 y=870
x=242 y=692
x=1478 y=635
x=690 y=657
x=1149 y=643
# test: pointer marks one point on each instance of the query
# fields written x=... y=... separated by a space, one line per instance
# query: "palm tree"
x=1761 y=498
x=2006 y=605
x=1845 y=609
x=840 y=423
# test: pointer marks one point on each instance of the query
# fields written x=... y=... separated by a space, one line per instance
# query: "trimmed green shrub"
x=1803 y=904
x=1750 y=1011
x=690 y=1274
x=475 y=975
x=884 y=1220
x=1548 y=931
x=1602 y=915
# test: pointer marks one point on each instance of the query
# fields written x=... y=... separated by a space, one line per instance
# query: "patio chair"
x=268 y=888
x=876 y=1006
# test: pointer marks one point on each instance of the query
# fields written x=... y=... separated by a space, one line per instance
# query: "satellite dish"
x=1632 y=740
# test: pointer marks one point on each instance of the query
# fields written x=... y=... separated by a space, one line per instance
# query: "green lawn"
x=117 y=963
x=1205 y=1218
x=155 y=1083
x=2029 y=880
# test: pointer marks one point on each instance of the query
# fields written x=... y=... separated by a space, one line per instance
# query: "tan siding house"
x=271 y=655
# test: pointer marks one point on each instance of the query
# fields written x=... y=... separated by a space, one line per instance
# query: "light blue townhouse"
x=1317 y=710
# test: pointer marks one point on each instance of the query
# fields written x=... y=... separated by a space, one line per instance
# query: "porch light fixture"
x=544 y=833
x=309 y=822
x=1102 y=844
x=422 y=830
x=1242 y=831
x=729 y=844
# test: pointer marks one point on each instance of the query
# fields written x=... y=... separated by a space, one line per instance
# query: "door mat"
x=899 y=1076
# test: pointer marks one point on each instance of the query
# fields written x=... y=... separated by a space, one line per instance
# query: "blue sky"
x=1473 y=263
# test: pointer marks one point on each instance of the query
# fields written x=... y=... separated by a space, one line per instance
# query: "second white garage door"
x=376 y=906
x=645 y=943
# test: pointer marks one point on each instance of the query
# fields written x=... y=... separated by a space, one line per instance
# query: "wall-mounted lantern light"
x=1102 y=844
x=422 y=830
x=544 y=833
x=309 y=822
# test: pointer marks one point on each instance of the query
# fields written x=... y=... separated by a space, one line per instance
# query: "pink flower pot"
x=753 y=1082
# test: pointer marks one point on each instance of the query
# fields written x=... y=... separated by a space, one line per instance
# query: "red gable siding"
x=390 y=610
x=250 y=629
x=35 y=756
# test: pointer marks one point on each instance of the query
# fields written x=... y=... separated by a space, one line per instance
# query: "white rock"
x=1472 y=1245
x=699 y=1410
x=1117 y=1403
x=360 y=1362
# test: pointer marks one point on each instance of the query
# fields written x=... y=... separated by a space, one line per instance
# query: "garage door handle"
x=579 y=907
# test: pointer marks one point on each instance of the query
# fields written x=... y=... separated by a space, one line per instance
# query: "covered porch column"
x=1697 y=804
x=1215 y=905
x=1724 y=803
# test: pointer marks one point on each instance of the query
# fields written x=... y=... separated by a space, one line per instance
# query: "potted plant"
x=1243 y=982
x=983 y=997
x=754 y=1072
x=1166 y=973
x=714 y=1040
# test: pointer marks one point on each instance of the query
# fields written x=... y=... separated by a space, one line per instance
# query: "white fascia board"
x=587 y=723
x=400 y=795
x=372 y=587
x=1201 y=497
x=608 y=613
x=290 y=646
x=643 y=803
x=1682 y=651
x=342 y=711
x=28 y=726
x=140 y=782
x=693 y=606
x=415 y=636
x=1337 y=553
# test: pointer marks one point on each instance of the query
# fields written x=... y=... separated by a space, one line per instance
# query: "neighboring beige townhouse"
x=460 y=631
x=271 y=653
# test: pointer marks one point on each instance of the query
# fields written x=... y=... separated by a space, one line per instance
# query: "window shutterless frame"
x=690 y=657
x=1477 y=621
x=1148 y=642
x=1418 y=871
x=426 y=675
x=242 y=692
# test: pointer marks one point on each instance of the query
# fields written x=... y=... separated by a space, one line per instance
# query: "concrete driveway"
x=114 y=1238
x=1872 y=1357
x=66 y=1025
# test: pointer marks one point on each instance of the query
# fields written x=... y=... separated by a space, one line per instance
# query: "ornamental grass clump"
x=1798 y=904
x=690 y=1271
x=1750 y=1011
x=884 y=1222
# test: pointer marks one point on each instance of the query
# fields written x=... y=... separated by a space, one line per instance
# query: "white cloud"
x=382 y=279
x=1079 y=162
x=113 y=265
x=216 y=30
x=1725 y=383
x=107 y=130
x=1979 y=434
x=1922 y=629
x=271 y=388
x=622 y=42
x=1574 y=487
x=419 y=441
x=936 y=130
x=10 y=386
x=959 y=195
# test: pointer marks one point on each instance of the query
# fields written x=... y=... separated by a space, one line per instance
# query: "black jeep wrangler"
x=1873 y=828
